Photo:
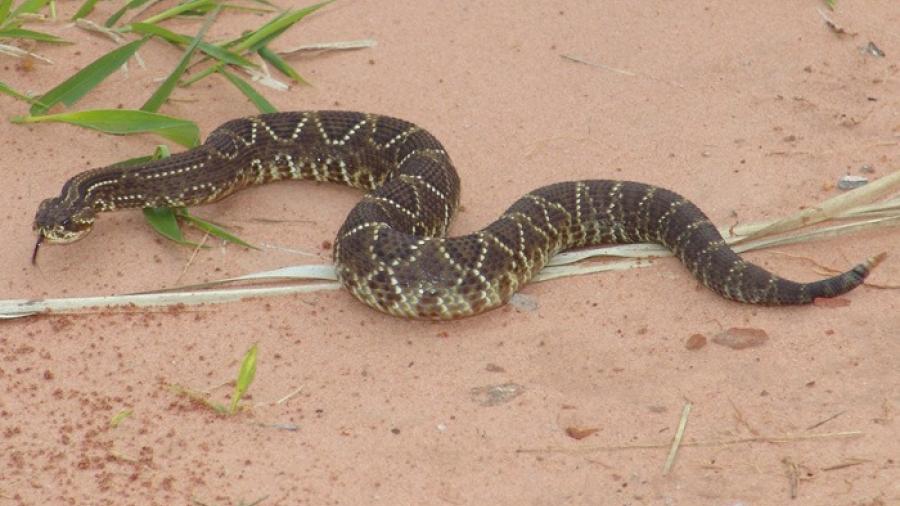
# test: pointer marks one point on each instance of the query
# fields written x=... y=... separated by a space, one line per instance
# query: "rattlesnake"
x=392 y=252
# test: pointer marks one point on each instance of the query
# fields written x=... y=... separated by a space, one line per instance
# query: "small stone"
x=738 y=338
x=290 y=427
x=579 y=433
x=493 y=395
x=523 y=302
x=867 y=169
x=872 y=50
x=849 y=182
x=695 y=342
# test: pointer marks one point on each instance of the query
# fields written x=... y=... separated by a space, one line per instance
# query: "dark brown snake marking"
x=391 y=252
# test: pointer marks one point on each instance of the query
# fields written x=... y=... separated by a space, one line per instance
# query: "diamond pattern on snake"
x=392 y=252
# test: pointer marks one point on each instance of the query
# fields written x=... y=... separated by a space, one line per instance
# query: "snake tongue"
x=37 y=245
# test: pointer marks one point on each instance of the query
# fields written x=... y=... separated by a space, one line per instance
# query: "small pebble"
x=867 y=169
x=491 y=367
x=523 y=302
x=741 y=338
x=579 y=433
x=872 y=49
x=849 y=182
x=695 y=342
x=292 y=427
x=493 y=395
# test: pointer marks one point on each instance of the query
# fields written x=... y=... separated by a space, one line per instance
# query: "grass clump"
x=246 y=375
x=226 y=58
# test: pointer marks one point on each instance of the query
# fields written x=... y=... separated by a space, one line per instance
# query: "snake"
x=392 y=252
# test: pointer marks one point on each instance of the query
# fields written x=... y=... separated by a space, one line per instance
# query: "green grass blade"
x=212 y=69
x=77 y=86
x=131 y=162
x=86 y=8
x=29 y=7
x=180 y=9
x=21 y=33
x=212 y=50
x=165 y=89
x=124 y=122
x=226 y=56
x=120 y=417
x=4 y=10
x=259 y=38
x=263 y=42
x=245 y=377
x=258 y=100
x=121 y=12
x=267 y=3
x=251 y=10
x=168 y=35
x=241 y=38
x=164 y=221
x=279 y=63
x=6 y=90
x=215 y=230
x=162 y=151
x=199 y=398
x=277 y=25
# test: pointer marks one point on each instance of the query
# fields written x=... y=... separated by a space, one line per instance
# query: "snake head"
x=59 y=221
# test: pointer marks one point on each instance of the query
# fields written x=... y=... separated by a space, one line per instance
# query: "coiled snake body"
x=391 y=252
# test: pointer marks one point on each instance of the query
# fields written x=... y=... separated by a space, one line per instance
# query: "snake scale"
x=392 y=252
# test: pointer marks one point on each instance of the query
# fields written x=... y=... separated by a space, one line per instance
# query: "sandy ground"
x=752 y=109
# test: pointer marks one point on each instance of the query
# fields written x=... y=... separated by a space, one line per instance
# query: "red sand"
x=752 y=109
